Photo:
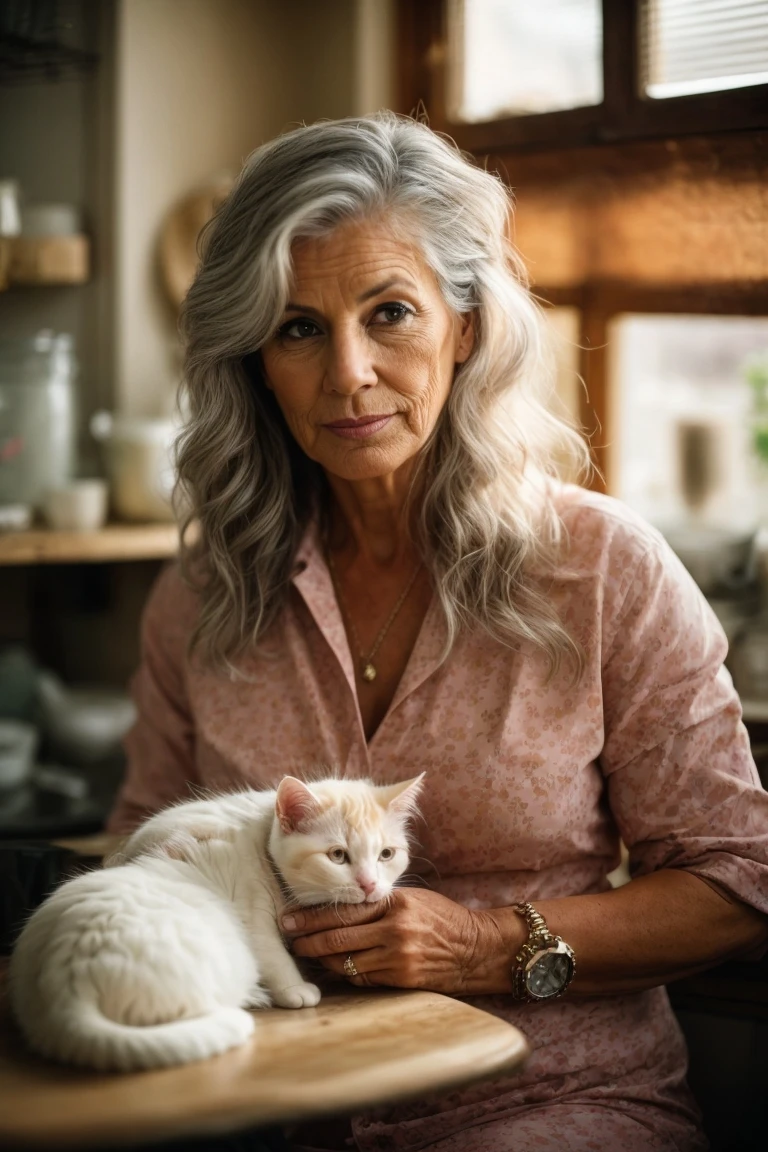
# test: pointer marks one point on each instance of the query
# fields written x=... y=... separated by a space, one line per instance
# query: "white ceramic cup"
x=139 y=462
x=79 y=506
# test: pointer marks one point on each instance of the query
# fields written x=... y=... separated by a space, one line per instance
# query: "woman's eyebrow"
x=396 y=282
x=291 y=307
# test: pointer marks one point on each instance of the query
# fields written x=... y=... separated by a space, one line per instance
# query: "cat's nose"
x=366 y=884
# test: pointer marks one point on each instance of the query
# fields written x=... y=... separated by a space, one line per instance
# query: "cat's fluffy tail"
x=89 y=1038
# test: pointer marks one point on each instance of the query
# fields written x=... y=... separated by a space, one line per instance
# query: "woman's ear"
x=466 y=336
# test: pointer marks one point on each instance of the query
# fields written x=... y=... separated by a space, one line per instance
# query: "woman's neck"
x=369 y=518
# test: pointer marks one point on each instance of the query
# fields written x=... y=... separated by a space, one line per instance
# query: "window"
x=505 y=74
x=693 y=46
x=562 y=326
x=512 y=59
x=689 y=436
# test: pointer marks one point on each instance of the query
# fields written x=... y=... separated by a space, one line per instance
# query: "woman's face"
x=364 y=357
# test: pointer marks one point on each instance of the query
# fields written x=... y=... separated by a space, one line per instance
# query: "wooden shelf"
x=44 y=260
x=114 y=542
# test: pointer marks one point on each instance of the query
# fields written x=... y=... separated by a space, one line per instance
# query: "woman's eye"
x=386 y=853
x=338 y=856
x=392 y=313
x=300 y=329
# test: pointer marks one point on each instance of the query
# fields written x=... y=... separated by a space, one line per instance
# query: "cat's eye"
x=387 y=853
x=338 y=855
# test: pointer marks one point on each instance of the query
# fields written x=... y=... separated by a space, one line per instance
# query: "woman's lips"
x=358 y=429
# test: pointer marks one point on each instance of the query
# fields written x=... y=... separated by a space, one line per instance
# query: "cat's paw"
x=296 y=996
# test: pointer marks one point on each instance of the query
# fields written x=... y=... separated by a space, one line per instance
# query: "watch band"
x=539 y=939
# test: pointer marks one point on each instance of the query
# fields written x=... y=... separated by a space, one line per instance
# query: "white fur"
x=153 y=961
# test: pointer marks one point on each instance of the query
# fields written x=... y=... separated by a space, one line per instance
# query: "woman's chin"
x=367 y=463
x=357 y=475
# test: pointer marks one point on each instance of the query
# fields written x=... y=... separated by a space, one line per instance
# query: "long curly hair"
x=486 y=525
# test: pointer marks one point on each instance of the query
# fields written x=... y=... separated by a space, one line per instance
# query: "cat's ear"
x=403 y=797
x=295 y=805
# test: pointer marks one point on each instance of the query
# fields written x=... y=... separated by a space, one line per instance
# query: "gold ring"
x=349 y=967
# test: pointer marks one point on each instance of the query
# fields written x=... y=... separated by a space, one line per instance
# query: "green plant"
x=757 y=378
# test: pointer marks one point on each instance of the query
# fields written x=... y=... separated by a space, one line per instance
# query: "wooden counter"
x=113 y=542
x=354 y=1051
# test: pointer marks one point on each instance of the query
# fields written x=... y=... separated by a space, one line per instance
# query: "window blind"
x=691 y=46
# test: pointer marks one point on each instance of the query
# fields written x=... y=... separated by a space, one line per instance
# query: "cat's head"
x=342 y=841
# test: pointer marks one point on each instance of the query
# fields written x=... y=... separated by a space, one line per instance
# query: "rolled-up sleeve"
x=682 y=783
x=160 y=745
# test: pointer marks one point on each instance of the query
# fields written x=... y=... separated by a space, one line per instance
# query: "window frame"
x=623 y=115
x=598 y=304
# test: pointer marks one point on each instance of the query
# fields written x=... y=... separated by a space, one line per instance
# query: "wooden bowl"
x=179 y=235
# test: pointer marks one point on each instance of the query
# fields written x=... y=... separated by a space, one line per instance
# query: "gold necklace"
x=367 y=667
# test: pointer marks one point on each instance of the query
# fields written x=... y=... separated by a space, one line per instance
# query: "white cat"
x=152 y=961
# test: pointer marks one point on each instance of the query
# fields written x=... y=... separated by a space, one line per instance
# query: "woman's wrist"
x=500 y=934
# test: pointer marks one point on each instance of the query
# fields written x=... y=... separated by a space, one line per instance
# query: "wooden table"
x=354 y=1051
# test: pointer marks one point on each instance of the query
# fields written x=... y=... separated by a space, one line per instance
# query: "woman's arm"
x=651 y=931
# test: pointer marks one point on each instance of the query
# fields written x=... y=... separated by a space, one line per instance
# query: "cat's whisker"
x=428 y=862
x=412 y=881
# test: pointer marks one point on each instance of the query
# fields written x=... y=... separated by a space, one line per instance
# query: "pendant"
x=369 y=673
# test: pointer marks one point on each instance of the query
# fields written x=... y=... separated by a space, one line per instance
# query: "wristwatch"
x=545 y=965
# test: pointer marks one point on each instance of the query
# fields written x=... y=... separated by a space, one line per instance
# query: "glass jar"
x=38 y=424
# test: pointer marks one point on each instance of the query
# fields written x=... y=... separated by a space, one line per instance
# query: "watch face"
x=549 y=971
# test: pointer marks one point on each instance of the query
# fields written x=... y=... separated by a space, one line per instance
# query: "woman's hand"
x=415 y=939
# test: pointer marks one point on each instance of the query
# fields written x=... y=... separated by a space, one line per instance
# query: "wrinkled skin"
x=416 y=939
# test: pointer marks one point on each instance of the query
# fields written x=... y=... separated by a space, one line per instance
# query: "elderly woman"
x=389 y=578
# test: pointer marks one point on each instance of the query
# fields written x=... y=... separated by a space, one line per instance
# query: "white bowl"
x=15 y=517
x=50 y=220
x=83 y=724
x=18 y=745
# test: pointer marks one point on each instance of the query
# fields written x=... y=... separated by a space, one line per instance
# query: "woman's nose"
x=349 y=366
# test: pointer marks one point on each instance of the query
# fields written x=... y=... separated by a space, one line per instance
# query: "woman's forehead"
x=360 y=253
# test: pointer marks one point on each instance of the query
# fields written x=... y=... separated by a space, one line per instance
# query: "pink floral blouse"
x=529 y=786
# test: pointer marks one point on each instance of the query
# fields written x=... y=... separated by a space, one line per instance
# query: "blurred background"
x=633 y=133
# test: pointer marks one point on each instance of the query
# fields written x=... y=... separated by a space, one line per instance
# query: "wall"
x=196 y=91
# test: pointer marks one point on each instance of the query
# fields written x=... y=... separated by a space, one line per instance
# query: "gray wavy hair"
x=486 y=526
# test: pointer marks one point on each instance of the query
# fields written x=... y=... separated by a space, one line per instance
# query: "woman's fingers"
x=301 y=921
x=338 y=941
x=369 y=965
